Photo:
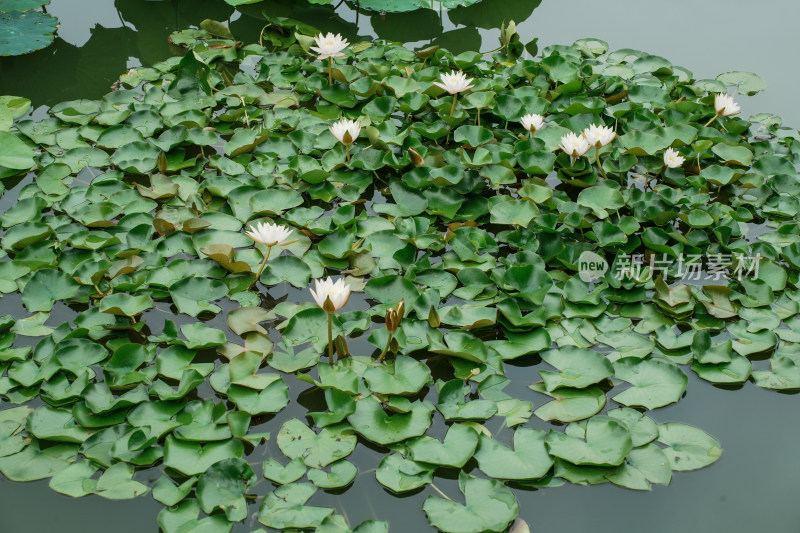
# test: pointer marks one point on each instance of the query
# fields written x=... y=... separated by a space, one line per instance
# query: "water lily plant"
x=574 y=145
x=532 y=122
x=328 y=47
x=673 y=158
x=724 y=106
x=454 y=83
x=346 y=132
x=392 y=319
x=331 y=296
x=599 y=136
x=269 y=235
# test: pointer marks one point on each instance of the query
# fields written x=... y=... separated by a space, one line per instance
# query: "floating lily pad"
x=285 y=508
x=24 y=32
x=317 y=450
x=655 y=383
x=528 y=460
x=490 y=506
x=604 y=442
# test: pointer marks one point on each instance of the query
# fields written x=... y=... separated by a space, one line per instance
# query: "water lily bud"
x=400 y=310
x=507 y=32
x=519 y=526
x=390 y=319
x=416 y=158
x=433 y=318
x=341 y=347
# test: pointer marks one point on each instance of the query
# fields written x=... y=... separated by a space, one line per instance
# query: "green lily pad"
x=291 y=472
x=24 y=32
x=403 y=375
x=688 y=448
x=46 y=287
x=570 y=405
x=371 y=421
x=224 y=485
x=579 y=367
x=317 y=450
x=458 y=446
x=655 y=383
x=285 y=508
x=193 y=458
x=604 y=442
x=528 y=460
x=489 y=506
x=33 y=463
x=341 y=474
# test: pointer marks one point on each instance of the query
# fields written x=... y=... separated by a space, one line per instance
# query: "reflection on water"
x=752 y=487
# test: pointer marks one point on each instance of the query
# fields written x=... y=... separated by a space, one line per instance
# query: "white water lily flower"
x=532 y=122
x=338 y=129
x=338 y=292
x=455 y=82
x=329 y=45
x=673 y=159
x=269 y=234
x=574 y=145
x=725 y=106
x=599 y=136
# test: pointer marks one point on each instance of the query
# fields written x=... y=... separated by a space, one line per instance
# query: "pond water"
x=753 y=486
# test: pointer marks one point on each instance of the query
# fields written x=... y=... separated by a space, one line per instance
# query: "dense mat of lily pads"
x=132 y=217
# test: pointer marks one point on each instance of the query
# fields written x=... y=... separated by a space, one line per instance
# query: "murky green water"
x=752 y=488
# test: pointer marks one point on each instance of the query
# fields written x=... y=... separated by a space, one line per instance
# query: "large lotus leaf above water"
x=22 y=33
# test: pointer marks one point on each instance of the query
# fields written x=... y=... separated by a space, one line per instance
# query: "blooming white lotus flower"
x=455 y=82
x=532 y=122
x=269 y=234
x=599 y=136
x=329 y=45
x=725 y=106
x=338 y=292
x=574 y=145
x=673 y=159
x=338 y=129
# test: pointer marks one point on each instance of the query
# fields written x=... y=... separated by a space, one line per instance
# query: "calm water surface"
x=753 y=487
